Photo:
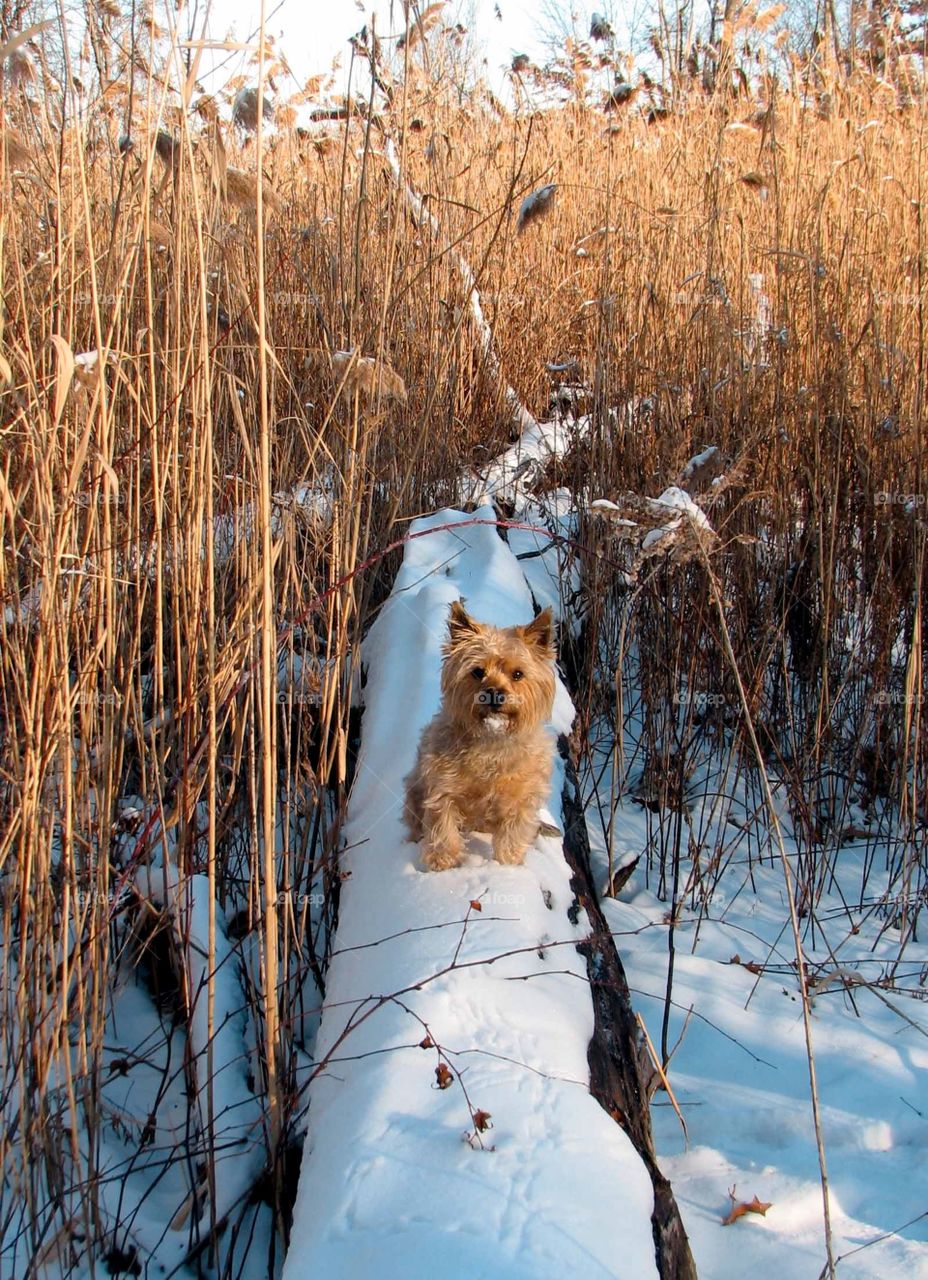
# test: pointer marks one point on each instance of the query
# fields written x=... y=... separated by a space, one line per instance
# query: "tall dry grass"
x=184 y=512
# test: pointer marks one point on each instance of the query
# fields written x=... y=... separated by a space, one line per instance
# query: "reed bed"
x=195 y=497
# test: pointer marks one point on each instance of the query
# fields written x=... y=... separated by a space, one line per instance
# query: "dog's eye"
x=517 y=675
x=478 y=673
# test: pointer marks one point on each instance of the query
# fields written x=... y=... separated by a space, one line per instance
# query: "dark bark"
x=620 y=1070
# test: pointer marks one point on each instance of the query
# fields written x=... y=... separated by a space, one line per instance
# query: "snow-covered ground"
x=450 y=1129
x=512 y=1170
x=740 y=1074
x=390 y=1184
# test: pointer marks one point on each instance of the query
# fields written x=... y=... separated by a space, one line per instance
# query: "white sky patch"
x=311 y=35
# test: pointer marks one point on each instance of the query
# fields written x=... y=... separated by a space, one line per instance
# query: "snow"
x=389 y=1185
x=396 y=1180
x=664 y=537
x=535 y=204
x=740 y=1074
x=509 y=475
x=546 y=557
x=236 y=1107
x=561 y=1191
x=679 y=500
x=148 y=1073
x=699 y=460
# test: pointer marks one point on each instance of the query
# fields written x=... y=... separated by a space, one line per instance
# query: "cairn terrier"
x=484 y=762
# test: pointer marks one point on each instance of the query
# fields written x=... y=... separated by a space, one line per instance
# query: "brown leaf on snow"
x=751 y=965
x=475 y=905
x=740 y=1208
x=482 y=1121
x=443 y=1077
x=427 y=1043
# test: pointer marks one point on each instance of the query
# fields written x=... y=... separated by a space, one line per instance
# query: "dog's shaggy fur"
x=484 y=762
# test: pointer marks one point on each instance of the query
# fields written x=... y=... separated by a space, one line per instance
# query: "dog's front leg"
x=443 y=841
x=513 y=836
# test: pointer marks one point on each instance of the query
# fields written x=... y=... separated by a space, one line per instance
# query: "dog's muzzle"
x=492 y=698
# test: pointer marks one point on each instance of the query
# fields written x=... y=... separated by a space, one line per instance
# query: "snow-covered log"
x=451 y=1127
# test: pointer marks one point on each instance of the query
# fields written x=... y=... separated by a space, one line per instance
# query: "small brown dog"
x=484 y=762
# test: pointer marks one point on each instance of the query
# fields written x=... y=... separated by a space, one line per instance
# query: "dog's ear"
x=540 y=633
x=461 y=625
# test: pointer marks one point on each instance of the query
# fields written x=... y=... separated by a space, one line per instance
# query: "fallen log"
x=619 y=1068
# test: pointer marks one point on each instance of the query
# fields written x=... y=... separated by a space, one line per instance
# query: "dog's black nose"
x=491 y=697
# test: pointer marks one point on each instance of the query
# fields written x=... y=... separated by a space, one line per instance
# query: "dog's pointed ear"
x=461 y=625
x=540 y=633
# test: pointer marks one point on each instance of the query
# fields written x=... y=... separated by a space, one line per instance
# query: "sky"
x=311 y=32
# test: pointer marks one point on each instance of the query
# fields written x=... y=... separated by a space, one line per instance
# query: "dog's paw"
x=510 y=855
x=442 y=859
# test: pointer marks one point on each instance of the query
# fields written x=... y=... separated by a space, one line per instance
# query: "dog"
x=484 y=761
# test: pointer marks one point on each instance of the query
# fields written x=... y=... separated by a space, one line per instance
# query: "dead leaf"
x=740 y=1208
x=443 y=1077
x=475 y=905
x=242 y=191
x=64 y=374
x=482 y=1121
x=373 y=380
x=427 y=1043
